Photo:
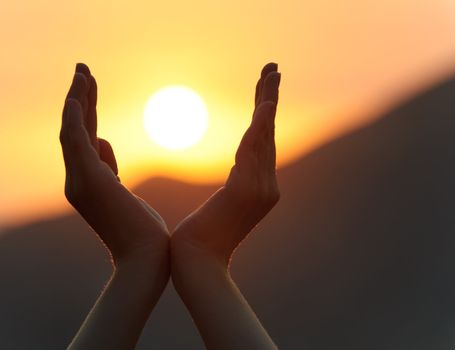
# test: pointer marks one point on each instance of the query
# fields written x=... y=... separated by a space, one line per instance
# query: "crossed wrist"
x=194 y=265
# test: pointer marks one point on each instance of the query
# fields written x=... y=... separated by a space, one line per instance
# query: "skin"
x=199 y=250
x=134 y=233
x=202 y=245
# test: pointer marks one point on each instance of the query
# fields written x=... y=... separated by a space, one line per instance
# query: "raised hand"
x=202 y=244
x=135 y=235
x=251 y=190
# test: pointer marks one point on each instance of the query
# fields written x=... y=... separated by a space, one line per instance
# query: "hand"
x=134 y=233
x=125 y=223
x=251 y=190
x=202 y=244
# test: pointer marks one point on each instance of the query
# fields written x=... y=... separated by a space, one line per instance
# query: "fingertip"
x=271 y=85
x=266 y=70
x=83 y=68
x=269 y=67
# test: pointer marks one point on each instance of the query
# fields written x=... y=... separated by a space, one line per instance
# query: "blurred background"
x=359 y=249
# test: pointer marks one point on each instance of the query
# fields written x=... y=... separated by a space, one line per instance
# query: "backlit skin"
x=202 y=245
x=135 y=235
x=144 y=254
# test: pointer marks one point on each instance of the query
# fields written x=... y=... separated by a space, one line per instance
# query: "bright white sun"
x=175 y=117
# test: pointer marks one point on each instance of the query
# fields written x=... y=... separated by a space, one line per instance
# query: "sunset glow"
x=175 y=117
x=341 y=63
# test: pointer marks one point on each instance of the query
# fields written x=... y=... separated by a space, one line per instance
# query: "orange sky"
x=340 y=61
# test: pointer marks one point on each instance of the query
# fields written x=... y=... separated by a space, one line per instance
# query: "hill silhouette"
x=358 y=254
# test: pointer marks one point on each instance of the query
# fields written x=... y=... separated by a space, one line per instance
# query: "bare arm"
x=134 y=234
x=202 y=245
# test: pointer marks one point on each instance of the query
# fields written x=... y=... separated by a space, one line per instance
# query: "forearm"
x=222 y=315
x=120 y=313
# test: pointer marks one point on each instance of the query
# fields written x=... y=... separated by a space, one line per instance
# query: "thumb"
x=107 y=155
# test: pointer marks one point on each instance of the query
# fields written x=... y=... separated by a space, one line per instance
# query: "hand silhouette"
x=202 y=244
x=137 y=237
x=134 y=233
x=250 y=192
x=124 y=222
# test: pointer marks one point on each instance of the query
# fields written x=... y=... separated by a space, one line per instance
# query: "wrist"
x=144 y=265
x=144 y=244
x=194 y=267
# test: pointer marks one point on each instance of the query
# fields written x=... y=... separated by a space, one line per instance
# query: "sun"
x=175 y=117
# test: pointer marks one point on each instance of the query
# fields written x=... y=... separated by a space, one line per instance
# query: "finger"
x=270 y=87
x=246 y=154
x=265 y=141
x=91 y=122
x=83 y=68
x=90 y=117
x=268 y=68
x=268 y=156
x=78 y=90
x=77 y=150
x=263 y=117
x=107 y=155
x=264 y=114
x=65 y=133
x=253 y=139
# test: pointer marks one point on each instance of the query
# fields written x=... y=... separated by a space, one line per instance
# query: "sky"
x=341 y=61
